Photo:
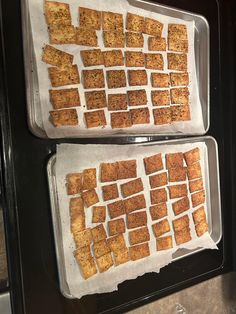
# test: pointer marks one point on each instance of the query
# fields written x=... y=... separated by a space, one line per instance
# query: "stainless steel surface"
x=202 y=66
x=213 y=205
x=5 y=303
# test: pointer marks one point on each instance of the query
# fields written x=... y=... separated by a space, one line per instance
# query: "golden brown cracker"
x=194 y=171
x=121 y=120
x=162 y=116
x=181 y=205
x=180 y=96
x=158 y=180
x=177 y=174
x=90 y=197
x=117 y=102
x=140 y=116
x=153 y=27
x=126 y=169
x=86 y=37
x=116 y=209
x=156 y=44
x=76 y=206
x=158 y=196
x=158 y=211
x=110 y=192
x=199 y=215
x=198 y=198
x=137 y=219
x=179 y=79
x=182 y=236
x=61 y=76
x=137 y=97
x=104 y=262
x=164 y=243
x=116 y=78
x=177 y=62
x=139 y=235
x=121 y=256
x=153 y=163
x=93 y=79
x=98 y=233
x=57 y=13
x=192 y=156
x=64 y=98
x=137 y=77
x=101 y=248
x=66 y=117
x=114 y=39
x=160 y=97
x=134 y=40
x=95 y=119
x=196 y=185
x=89 y=18
x=112 y=21
x=77 y=223
x=74 y=183
x=99 y=214
x=174 y=160
x=88 y=268
x=113 y=58
x=135 y=23
x=201 y=228
x=181 y=223
x=132 y=187
x=178 y=190
x=160 y=79
x=134 y=203
x=92 y=57
x=117 y=243
x=56 y=57
x=95 y=99
x=116 y=226
x=161 y=227
x=134 y=59
x=139 y=251
x=83 y=238
x=108 y=172
x=154 y=61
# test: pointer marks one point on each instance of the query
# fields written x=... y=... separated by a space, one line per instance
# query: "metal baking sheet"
x=214 y=206
x=201 y=46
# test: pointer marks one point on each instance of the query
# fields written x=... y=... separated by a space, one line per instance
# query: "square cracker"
x=158 y=180
x=110 y=192
x=113 y=58
x=174 y=160
x=74 y=183
x=95 y=119
x=134 y=203
x=104 y=262
x=116 y=226
x=198 y=198
x=160 y=79
x=92 y=57
x=177 y=45
x=161 y=227
x=117 y=243
x=137 y=219
x=77 y=223
x=112 y=21
x=192 y=156
x=201 y=228
x=90 y=197
x=116 y=78
x=83 y=254
x=126 y=169
x=134 y=40
x=101 y=248
x=131 y=187
x=139 y=235
x=88 y=268
x=93 y=79
x=177 y=62
x=89 y=18
x=139 y=251
x=137 y=97
x=137 y=77
x=64 y=98
x=196 y=185
x=180 y=96
x=121 y=256
x=177 y=31
x=140 y=116
x=86 y=37
x=135 y=23
x=180 y=113
x=177 y=174
x=158 y=211
x=160 y=97
x=179 y=79
x=98 y=233
x=153 y=163
x=76 y=206
x=108 y=172
x=114 y=39
x=61 y=77
x=95 y=99
x=178 y=190
x=64 y=117
x=153 y=27
x=181 y=223
x=120 y=120
x=57 y=13
x=56 y=57
x=158 y=196
x=117 y=102
x=156 y=44
x=89 y=179
x=181 y=205
x=164 y=243
x=183 y=236
x=199 y=215
x=62 y=34
x=162 y=116
x=194 y=171
x=116 y=209
x=134 y=59
x=99 y=214
x=154 y=61
x=83 y=238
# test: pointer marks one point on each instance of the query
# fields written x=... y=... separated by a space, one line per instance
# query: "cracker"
x=134 y=203
x=135 y=23
x=88 y=268
x=181 y=223
x=156 y=44
x=177 y=31
x=139 y=251
x=108 y=172
x=162 y=116
x=86 y=37
x=153 y=27
x=113 y=58
x=177 y=174
x=95 y=119
x=139 y=235
x=196 y=185
x=134 y=40
x=95 y=99
x=89 y=18
x=153 y=163
x=201 y=228
x=137 y=219
x=101 y=248
x=134 y=59
x=137 y=97
x=121 y=256
x=83 y=254
x=132 y=187
x=90 y=197
x=154 y=61
x=179 y=190
x=117 y=102
x=64 y=98
x=164 y=243
x=181 y=205
x=158 y=196
x=158 y=211
x=140 y=116
x=177 y=45
x=92 y=57
x=180 y=113
x=137 y=77
x=182 y=236
x=116 y=209
x=60 y=77
x=114 y=39
x=177 y=62
x=179 y=79
x=74 y=183
x=120 y=120
x=160 y=97
x=104 y=262
x=76 y=206
x=174 y=160
x=126 y=169
x=116 y=226
x=110 y=192
x=112 y=21
x=180 y=96
x=199 y=215
x=56 y=57
x=117 y=243
x=116 y=78
x=83 y=238
x=160 y=79
x=57 y=13
x=194 y=171
x=158 y=180
x=62 y=34
x=192 y=156
x=198 y=198
x=64 y=117
x=93 y=79
x=77 y=223
x=161 y=227
x=89 y=179
x=98 y=233
x=99 y=214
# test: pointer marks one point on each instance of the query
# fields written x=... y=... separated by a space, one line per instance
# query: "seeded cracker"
x=95 y=119
x=160 y=97
x=180 y=113
x=154 y=61
x=158 y=180
x=62 y=34
x=160 y=80
x=180 y=96
x=158 y=196
x=117 y=243
x=88 y=268
x=86 y=37
x=139 y=251
x=74 y=183
x=89 y=18
x=192 y=156
x=179 y=79
x=116 y=226
x=153 y=163
x=161 y=228
x=156 y=44
x=114 y=39
x=182 y=236
x=198 y=198
x=134 y=59
x=134 y=40
x=61 y=77
x=181 y=223
x=93 y=79
x=140 y=116
x=177 y=61
x=177 y=174
x=199 y=215
x=177 y=31
x=89 y=179
x=83 y=238
x=153 y=27
x=64 y=98
x=83 y=254
x=65 y=117
x=134 y=203
x=201 y=228
x=176 y=191
x=174 y=160
x=139 y=235
x=137 y=97
x=116 y=79
x=92 y=57
x=120 y=120
x=121 y=256
x=90 y=197
x=104 y=262
x=76 y=206
x=99 y=214
x=181 y=206
x=158 y=211
x=108 y=172
x=117 y=102
x=137 y=77
x=126 y=169
x=101 y=248
x=112 y=21
x=113 y=58
x=98 y=233
x=77 y=223
x=57 y=13
x=194 y=171
x=195 y=185
x=162 y=116
x=137 y=219
x=164 y=243
x=132 y=187
x=135 y=23
x=95 y=99
x=56 y=57
x=110 y=192
x=116 y=209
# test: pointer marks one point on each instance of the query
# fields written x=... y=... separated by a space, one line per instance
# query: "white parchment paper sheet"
x=40 y=38
x=74 y=158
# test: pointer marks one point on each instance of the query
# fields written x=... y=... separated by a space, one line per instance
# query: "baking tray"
x=213 y=203
x=201 y=46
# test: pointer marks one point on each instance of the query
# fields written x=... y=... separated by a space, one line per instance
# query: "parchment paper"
x=74 y=158
x=40 y=38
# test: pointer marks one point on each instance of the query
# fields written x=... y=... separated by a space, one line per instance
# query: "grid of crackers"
x=117 y=79
x=111 y=223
